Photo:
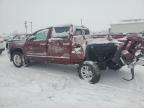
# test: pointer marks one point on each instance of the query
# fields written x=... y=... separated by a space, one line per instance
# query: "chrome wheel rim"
x=86 y=73
x=17 y=60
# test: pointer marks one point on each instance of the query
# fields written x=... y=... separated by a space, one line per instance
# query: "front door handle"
x=43 y=44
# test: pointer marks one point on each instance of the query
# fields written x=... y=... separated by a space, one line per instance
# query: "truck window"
x=78 y=32
x=60 y=32
x=61 y=29
x=41 y=35
x=86 y=32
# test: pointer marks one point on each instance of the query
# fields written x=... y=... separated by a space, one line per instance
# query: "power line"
x=31 y=26
x=81 y=22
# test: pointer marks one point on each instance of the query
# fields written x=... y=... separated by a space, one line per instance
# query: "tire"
x=17 y=59
x=89 y=71
x=0 y=52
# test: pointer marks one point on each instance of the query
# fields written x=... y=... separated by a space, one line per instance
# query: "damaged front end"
x=114 y=57
x=103 y=55
x=129 y=54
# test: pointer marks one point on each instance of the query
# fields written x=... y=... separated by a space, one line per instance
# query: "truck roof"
x=64 y=25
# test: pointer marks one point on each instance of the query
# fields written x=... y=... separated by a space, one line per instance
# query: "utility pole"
x=26 y=26
x=25 y=23
x=31 y=26
x=81 y=22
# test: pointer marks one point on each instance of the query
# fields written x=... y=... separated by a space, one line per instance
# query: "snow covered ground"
x=44 y=85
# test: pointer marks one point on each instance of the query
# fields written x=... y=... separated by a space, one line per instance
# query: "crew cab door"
x=81 y=37
x=59 y=45
x=36 y=46
x=78 y=45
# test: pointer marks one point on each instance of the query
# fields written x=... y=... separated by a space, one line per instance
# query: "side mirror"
x=30 y=38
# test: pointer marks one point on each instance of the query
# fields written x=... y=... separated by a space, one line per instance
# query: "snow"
x=2 y=44
x=43 y=85
x=102 y=41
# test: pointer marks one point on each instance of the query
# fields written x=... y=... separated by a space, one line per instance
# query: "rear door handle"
x=65 y=44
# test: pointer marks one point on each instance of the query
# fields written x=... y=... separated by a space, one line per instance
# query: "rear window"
x=78 y=32
x=86 y=32
x=82 y=31
x=61 y=29
x=60 y=32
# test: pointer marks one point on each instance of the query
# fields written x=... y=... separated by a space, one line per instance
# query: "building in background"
x=128 y=26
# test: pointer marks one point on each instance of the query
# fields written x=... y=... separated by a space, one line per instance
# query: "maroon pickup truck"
x=60 y=44
x=69 y=44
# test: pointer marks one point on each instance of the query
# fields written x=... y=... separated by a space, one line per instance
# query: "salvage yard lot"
x=43 y=85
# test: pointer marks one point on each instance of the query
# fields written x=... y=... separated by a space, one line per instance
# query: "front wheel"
x=17 y=59
x=89 y=71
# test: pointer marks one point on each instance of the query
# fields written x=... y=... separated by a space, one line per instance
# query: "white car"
x=2 y=46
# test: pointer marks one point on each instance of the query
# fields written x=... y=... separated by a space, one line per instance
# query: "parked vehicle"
x=18 y=37
x=2 y=46
x=115 y=36
x=69 y=44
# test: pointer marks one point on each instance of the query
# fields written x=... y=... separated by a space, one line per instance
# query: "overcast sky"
x=96 y=14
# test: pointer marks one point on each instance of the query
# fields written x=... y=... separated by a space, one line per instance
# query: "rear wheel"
x=89 y=71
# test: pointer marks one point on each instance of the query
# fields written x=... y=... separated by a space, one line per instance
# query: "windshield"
x=60 y=32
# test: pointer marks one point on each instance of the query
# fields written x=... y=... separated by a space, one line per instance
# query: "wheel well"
x=15 y=50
